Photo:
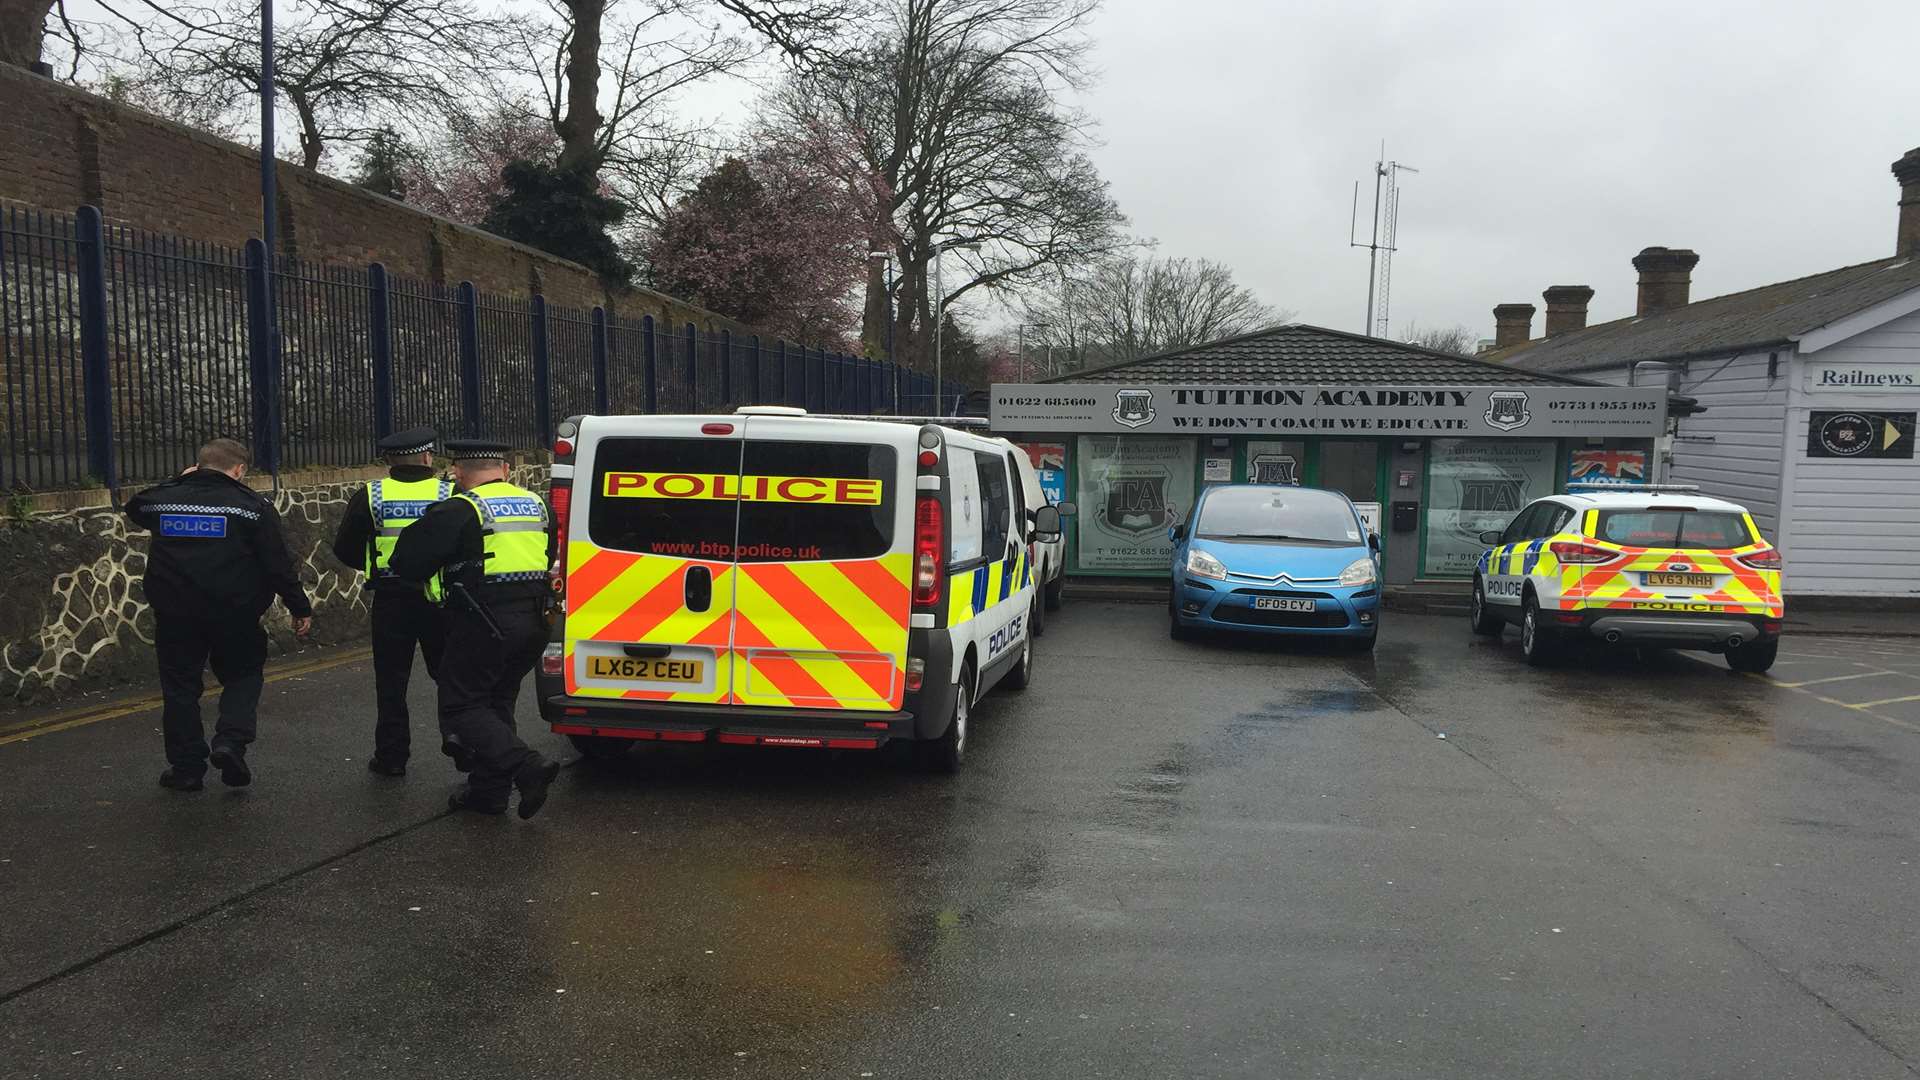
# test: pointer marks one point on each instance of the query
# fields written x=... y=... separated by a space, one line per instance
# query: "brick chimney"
x=1512 y=325
x=1907 y=171
x=1566 y=308
x=1666 y=275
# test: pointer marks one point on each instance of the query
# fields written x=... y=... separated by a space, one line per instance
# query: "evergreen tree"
x=383 y=164
x=560 y=211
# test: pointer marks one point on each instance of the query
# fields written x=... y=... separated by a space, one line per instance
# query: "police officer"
x=403 y=616
x=488 y=548
x=216 y=561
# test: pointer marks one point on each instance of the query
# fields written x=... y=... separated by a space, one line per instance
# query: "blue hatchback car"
x=1276 y=559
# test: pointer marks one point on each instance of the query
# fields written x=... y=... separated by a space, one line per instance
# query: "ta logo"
x=1133 y=408
x=1507 y=409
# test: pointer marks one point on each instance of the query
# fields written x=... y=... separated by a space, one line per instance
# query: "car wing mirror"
x=1046 y=524
x=1490 y=537
x=1373 y=540
x=1177 y=531
x=1067 y=509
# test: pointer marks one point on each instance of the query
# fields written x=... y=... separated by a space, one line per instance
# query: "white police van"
x=774 y=578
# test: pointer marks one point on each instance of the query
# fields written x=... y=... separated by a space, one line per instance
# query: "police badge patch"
x=1507 y=409
x=1133 y=408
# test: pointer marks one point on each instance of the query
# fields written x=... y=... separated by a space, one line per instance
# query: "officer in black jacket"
x=216 y=561
x=487 y=551
x=403 y=617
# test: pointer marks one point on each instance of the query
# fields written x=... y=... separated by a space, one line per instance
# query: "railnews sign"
x=1523 y=412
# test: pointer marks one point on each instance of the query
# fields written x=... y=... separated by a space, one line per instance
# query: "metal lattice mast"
x=1380 y=246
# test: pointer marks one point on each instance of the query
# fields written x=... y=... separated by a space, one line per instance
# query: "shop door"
x=1352 y=467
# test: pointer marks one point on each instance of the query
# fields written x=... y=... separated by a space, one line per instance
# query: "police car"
x=772 y=578
x=1635 y=566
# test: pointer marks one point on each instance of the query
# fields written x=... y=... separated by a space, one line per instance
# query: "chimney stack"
x=1566 y=308
x=1512 y=325
x=1907 y=171
x=1666 y=276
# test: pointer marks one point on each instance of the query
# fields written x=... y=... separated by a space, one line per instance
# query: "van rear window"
x=1677 y=528
x=778 y=501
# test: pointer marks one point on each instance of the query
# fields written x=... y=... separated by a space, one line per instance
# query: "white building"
x=1811 y=388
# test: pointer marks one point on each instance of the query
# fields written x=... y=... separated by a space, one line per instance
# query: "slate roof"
x=1737 y=322
x=1297 y=353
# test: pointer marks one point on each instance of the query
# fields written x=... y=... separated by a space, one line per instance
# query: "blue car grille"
x=1293 y=593
x=1324 y=619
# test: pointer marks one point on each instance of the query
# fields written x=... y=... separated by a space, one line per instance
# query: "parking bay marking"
x=1863 y=709
x=64 y=722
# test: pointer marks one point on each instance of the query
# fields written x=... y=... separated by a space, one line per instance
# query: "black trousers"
x=479 y=682
x=236 y=648
x=402 y=619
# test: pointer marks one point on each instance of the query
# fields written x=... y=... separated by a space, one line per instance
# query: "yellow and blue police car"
x=1644 y=566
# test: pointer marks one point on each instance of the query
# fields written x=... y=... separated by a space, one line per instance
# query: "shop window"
x=1351 y=467
x=1476 y=486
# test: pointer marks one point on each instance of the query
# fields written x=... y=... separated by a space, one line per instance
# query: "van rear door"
x=650 y=572
x=822 y=594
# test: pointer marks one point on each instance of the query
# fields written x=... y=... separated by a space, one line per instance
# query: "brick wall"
x=61 y=148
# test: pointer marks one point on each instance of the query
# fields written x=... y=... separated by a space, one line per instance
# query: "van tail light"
x=560 y=498
x=1578 y=554
x=1764 y=560
x=929 y=547
x=553 y=660
x=916 y=673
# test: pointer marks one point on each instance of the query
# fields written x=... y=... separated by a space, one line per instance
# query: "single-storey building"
x=1811 y=388
x=1434 y=447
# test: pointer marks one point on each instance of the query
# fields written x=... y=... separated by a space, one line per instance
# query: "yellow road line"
x=81 y=718
x=1887 y=701
x=1836 y=678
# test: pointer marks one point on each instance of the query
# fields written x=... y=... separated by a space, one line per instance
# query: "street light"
x=885 y=258
x=1023 y=344
x=940 y=308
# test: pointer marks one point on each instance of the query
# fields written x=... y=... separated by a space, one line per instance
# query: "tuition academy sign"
x=1451 y=411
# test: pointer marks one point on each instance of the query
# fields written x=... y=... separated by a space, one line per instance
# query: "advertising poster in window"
x=1276 y=461
x=1476 y=486
x=1050 y=464
x=1129 y=490
x=1607 y=467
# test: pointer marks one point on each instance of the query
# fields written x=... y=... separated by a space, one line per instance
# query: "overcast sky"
x=1553 y=140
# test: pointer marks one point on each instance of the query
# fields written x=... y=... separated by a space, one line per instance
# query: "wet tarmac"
x=1216 y=859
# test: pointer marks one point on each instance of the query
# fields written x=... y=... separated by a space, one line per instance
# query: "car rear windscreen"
x=778 y=501
x=1676 y=528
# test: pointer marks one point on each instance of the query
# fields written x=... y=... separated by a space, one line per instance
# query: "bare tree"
x=22 y=26
x=1134 y=305
x=1458 y=340
x=958 y=110
x=346 y=68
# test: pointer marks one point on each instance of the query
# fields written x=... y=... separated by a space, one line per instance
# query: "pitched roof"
x=1297 y=353
x=1737 y=322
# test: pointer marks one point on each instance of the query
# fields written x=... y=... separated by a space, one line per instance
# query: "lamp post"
x=885 y=259
x=266 y=134
x=940 y=311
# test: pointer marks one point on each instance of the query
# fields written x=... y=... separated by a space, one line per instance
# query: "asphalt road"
x=1163 y=860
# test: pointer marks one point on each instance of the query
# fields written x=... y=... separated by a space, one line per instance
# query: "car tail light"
x=929 y=547
x=1764 y=560
x=553 y=660
x=560 y=496
x=1569 y=551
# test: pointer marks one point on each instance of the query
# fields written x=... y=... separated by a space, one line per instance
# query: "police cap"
x=478 y=449
x=411 y=441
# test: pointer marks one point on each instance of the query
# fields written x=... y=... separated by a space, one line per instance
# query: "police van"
x=774 y=578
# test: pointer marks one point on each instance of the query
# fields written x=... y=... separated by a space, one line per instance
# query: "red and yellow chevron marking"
x=818 y=635
x=625 y=596
x=822 y=634
x=1615 y=585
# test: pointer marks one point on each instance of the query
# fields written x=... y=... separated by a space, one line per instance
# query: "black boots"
x=533 y=780
x=180 y=780
x=386 y=768
x=232 y=764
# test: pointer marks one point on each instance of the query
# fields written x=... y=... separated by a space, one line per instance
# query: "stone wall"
x=73 y=615
x=61 y=148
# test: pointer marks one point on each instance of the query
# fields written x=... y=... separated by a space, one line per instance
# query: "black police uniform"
x=481 y=674
x=216 y=561
x=402 y=616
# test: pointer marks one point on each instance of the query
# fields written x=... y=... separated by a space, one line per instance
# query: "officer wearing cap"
x=403 y=616
x=486 y=551
x=216 y=561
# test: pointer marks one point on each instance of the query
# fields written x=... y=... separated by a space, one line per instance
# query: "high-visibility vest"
x=396 y=504
x=513 y=535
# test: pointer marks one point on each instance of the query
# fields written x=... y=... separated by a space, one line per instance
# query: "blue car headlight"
x=1201 y=564
x=1359 y=572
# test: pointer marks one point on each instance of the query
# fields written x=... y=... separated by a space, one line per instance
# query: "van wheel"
x=1022 y=673
x=1537 y=643
x=1754 y=659
x=1056 y=591
x=1485 y=620
x=944 y=754
x=1037 y=621
x=601 y=747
